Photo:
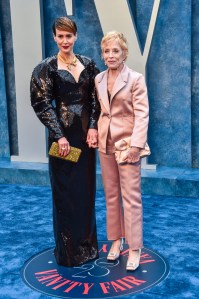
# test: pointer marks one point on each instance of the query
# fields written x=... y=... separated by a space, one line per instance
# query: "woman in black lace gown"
x=63 y=97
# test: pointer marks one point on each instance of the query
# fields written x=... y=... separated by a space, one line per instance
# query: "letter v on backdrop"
x=116 y=15
x=69 y=7
x=113 y=15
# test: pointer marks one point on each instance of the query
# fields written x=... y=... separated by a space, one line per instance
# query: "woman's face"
x=113 y=55
x=65 y=41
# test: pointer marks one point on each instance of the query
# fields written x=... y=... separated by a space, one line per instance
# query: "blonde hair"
x=118 y=37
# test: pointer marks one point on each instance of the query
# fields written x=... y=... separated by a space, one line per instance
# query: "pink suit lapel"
x=118 y=85
x=120 y=82
x=102 y=85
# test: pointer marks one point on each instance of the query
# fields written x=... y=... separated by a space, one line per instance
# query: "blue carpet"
x=170 y=227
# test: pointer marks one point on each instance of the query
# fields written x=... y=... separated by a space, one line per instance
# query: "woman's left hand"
x=133 y=155
x=92 y=138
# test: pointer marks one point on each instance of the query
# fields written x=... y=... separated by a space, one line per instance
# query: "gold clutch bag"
x=72 y=156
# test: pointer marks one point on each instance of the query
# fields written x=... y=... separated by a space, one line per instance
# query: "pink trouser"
x=122 y=188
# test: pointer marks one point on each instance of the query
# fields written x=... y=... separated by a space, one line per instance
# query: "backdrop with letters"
x=172 y=69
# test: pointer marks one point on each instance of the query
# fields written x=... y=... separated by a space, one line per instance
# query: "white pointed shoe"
x=112 y=256
x=133 y=264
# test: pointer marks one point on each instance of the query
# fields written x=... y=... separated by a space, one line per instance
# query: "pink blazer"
x=127 y=114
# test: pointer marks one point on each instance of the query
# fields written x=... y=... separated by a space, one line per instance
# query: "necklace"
x=68 y=64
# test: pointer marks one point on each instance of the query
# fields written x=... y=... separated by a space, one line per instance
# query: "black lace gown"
x=69 y=108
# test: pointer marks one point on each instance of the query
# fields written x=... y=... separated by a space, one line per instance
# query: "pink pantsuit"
x=125 y=115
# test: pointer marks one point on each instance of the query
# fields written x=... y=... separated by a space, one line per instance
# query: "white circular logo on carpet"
x=96 y=279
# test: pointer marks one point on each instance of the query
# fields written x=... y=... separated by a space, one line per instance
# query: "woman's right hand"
x=133 y=155
x=64 y=146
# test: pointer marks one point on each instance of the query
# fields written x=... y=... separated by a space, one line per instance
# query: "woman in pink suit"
x=122 y=94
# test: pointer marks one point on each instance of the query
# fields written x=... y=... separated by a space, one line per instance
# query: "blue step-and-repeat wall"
x=172 y=67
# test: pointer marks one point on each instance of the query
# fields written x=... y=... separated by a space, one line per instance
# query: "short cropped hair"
x=66 y=24
x=118 y=37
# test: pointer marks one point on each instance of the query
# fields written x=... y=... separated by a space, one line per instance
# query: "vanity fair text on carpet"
x=107 y=284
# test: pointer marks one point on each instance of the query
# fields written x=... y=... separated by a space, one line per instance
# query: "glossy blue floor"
x=170 y=227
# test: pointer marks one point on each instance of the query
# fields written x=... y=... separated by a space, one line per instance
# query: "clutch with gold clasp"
x=72 y=156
